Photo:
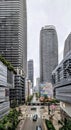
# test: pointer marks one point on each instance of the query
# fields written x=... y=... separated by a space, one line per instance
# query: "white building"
x=37 y=84
x=28 y=89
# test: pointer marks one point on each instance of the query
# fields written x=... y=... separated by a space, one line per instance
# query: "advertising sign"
x=46 y=89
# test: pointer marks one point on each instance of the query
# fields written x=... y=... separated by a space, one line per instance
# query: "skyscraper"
x=13 y=41
x=31 y=71
x=13 y=32
x=37 y=84
x=48 y=52
x=67 y=46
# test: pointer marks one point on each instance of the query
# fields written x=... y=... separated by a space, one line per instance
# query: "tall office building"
x=31 y=71
x=37 y=84
x=67 y=46
x=48 y=52
x=13 y=32
x=13 y=41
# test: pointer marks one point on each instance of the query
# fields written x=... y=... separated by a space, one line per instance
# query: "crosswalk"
x=30 y=116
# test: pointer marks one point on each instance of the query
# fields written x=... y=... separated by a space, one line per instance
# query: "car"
x=38 y=127
x=35 y=117
x=41 y=107
x=33 y=108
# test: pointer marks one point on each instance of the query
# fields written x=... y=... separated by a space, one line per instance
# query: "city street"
x=30 y=125
x=28 y=113
x=35 y=65
x=34 y=99
x=42 y=112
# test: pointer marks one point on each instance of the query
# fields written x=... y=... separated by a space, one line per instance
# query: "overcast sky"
x=47 y=12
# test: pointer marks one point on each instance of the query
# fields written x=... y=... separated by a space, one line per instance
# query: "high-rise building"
x=62 y=86
x=13 y=40
x=13 y=32
x=37 y=84
x=48 y=52
x=31 y=71
x=67 y=46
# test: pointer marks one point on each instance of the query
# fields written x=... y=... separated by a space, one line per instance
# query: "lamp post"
x=49 y=108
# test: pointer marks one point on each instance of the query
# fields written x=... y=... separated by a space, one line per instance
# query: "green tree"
x=66 y=125
x=2 y=127
x=9 y=126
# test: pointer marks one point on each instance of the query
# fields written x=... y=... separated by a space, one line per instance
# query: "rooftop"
x=49 y=27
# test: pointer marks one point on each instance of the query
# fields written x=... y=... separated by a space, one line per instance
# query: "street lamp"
x=49 y=108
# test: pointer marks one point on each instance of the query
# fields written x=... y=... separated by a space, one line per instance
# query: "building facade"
x=67 y=46
x=20 y=89
x=28 y=91
x=13 y=39
x=13 y=32
x=37 y=84
x=48 y=53
x=31 y=71
x=17 y=94
x=4 y=91
x=62 y=85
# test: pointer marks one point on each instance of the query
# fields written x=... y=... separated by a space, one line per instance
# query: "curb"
x=44 y=125
x=20 y=125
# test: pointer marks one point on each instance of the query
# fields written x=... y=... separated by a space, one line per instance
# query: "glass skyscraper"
x=67 y=46
x=31 y=71
x=48 y=53
x=13 y=42
x=13 y=32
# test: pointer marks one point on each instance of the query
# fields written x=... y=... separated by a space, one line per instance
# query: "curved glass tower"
x=67 y=46
x=48 y=52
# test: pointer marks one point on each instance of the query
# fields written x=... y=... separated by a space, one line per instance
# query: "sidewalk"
x=55 y=119
x=22 y=118
x=44 y=125
x=20 y=125
x=55 y=116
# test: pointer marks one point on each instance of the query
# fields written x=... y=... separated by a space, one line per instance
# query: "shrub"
x=9 y=126
x=8 y=64
x=66 y=125
x=49 y=125
x=2 y=127
x=10 y=121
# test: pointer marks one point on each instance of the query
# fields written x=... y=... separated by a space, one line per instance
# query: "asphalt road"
x=34 y=99
x=31 y=125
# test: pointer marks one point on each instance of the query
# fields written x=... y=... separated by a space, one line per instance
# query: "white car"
x=38 y=127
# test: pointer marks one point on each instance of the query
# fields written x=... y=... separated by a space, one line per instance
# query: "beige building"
x=28 y=90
